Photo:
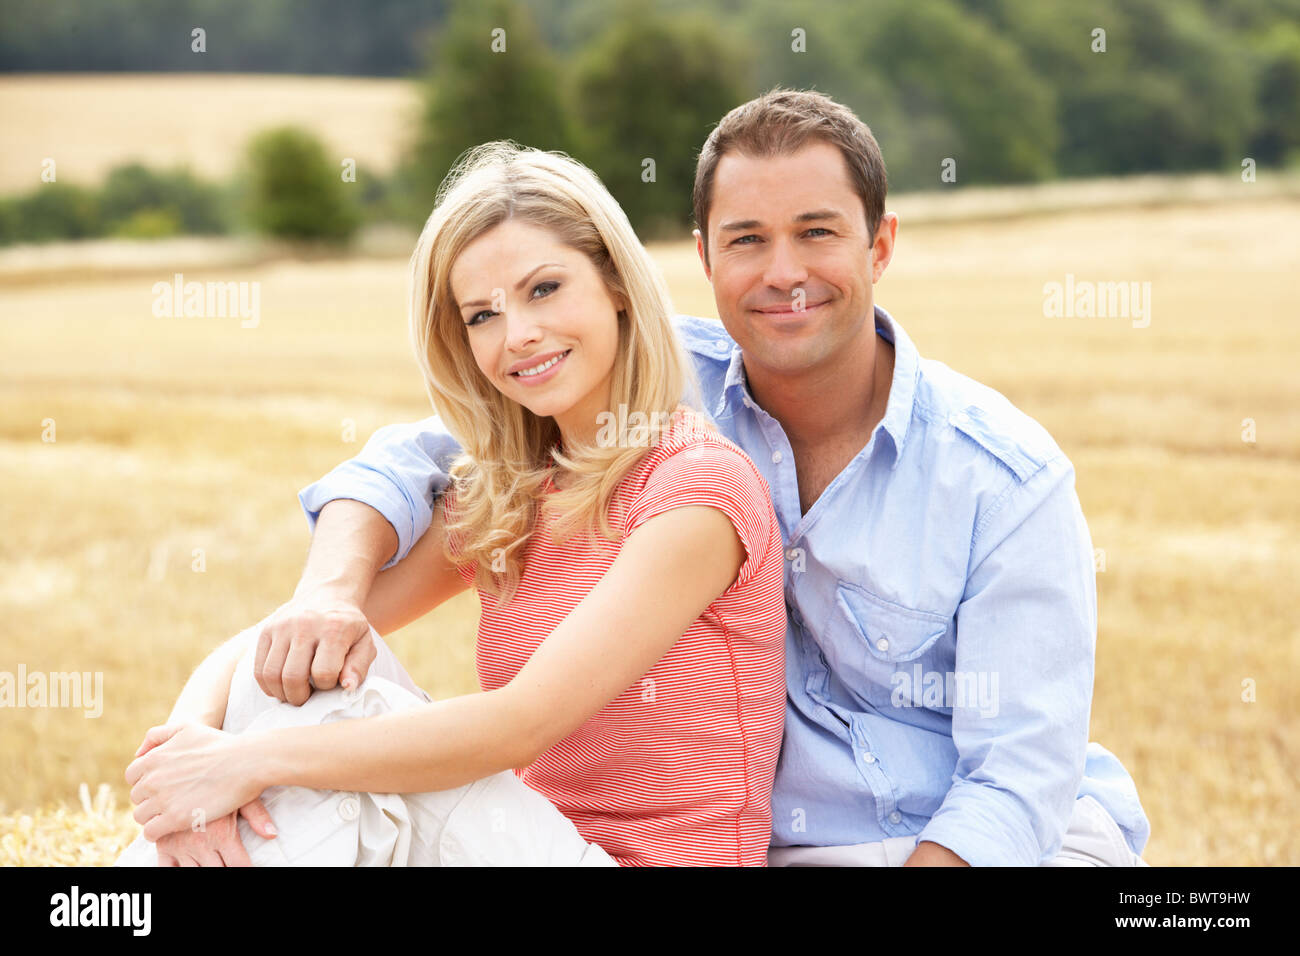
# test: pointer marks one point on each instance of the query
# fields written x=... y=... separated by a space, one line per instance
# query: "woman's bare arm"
x=206 y=694
x=614 y=635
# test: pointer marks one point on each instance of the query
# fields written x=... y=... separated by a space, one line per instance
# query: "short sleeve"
x=714 y=476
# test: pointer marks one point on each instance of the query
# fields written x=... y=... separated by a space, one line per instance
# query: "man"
x=940 y=587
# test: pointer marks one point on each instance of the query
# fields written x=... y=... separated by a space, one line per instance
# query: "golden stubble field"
x=182 y=443
x=90 y=122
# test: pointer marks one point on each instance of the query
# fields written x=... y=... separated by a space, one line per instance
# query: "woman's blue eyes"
x=549 y=285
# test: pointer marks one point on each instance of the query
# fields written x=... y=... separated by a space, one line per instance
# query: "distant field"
x=89 y=123
x=180 y=434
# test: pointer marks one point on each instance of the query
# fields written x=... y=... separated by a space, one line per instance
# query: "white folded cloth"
x=496 y=821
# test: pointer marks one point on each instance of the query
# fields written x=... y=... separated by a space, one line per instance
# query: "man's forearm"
x=932 y=854
x=351 y=542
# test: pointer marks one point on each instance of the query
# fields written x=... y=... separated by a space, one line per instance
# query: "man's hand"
x=932 y=854
x=317 y=638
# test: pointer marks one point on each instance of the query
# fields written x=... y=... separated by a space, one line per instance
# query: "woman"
x=631 y=578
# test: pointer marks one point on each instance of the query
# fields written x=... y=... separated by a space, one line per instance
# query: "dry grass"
x=183 y=434
x=94 y=834
x=89 y=123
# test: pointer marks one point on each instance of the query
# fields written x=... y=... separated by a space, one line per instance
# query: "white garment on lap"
x=496 y=821
x=1093 y=838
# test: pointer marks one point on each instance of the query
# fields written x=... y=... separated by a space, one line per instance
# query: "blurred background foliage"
x=1011 y=88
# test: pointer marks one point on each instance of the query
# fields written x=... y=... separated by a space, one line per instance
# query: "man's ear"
x=882 y=249
x=699 y=249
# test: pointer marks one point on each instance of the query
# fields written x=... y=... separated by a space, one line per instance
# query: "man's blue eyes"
x=741 y=241
x=549 y=286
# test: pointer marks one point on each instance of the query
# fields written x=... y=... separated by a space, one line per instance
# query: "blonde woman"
x=627 y=558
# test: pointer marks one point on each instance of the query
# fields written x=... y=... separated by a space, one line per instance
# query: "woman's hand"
x=192 y=773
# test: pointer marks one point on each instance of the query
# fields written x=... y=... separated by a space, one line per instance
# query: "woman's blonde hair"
x=507 y=450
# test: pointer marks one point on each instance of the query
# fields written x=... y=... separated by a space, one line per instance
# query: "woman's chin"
x=544 y=407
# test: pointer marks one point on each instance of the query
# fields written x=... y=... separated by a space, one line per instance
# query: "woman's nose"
x=522 y=331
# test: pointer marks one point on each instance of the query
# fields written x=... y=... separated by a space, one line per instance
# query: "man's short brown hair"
x=781 y=122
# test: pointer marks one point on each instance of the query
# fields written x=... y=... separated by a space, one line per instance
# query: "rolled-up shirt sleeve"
x=1026 y=626
x=399 y=472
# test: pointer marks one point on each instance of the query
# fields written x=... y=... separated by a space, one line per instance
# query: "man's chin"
x=787 y=359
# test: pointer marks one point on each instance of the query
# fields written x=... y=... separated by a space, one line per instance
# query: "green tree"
x=1277 y=137
x=56 y=211
x=1172 y=90
x=967 y=88
x=295 y=191
x=647 y=94
x=492 y=77
x=176 y=196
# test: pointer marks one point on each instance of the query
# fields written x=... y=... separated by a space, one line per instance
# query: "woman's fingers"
x=258 y=818
x=150 y=741
x=155 y=736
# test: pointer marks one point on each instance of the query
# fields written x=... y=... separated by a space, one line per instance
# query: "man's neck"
x=831 y=403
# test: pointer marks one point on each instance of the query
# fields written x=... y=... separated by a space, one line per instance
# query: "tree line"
x=957 y=91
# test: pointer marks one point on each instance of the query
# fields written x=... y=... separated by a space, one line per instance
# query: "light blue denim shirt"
x=941 y=612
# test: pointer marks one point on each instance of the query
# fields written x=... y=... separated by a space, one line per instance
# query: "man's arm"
x=400 y=472
x=321 y=637
x=365 y=516
x=1026 y=633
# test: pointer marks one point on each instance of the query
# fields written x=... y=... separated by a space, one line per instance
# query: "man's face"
x=790 y=258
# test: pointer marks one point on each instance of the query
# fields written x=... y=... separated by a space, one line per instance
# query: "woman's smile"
x=541 y=372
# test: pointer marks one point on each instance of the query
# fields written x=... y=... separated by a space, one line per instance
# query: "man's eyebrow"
x=818 y=214
x=518 y=285
x=815 y=215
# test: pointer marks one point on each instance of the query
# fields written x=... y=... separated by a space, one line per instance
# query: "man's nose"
x=785 y=269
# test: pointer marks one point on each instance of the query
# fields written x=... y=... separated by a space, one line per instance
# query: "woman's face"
x=541 y=323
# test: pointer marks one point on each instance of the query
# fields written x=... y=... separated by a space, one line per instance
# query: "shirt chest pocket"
x=888 y=639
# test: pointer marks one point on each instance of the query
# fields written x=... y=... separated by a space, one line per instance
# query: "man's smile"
x=786 y=311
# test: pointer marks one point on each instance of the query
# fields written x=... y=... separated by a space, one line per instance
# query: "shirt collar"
x=902 y=388
x=735 y=388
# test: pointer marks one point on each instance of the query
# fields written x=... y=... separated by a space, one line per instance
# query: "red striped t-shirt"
x=678 y=769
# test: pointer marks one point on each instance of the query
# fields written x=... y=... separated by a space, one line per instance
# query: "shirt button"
x=349 y=807
x=882 y=644
x=791 y=554
x=959 y=418
x=895 y=818
x=776 y=457
x=868 y=756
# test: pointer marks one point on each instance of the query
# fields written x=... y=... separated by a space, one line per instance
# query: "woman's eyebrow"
x=518 y=285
